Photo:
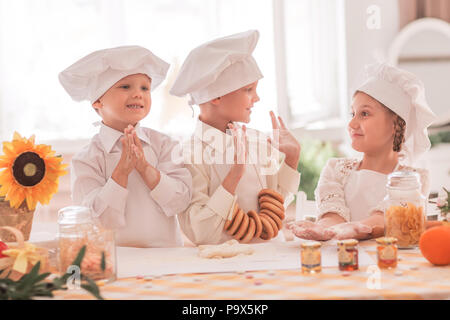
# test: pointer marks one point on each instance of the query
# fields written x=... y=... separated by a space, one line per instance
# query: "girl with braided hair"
x=389 y=120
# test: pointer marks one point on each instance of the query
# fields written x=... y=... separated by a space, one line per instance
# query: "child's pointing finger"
x=274 y=120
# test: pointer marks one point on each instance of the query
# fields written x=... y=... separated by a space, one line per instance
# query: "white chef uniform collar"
x=404 y=94
x=218 y=67
x=109 y=136
x=90 y=77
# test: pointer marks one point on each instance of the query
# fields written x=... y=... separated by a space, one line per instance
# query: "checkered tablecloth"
x=414 y=278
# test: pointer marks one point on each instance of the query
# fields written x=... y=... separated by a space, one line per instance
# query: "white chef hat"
x=404 y=94
x=218 y=67
x=90 y=77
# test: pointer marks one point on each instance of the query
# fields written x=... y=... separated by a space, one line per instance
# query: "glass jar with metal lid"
x=348 y=254
x=311 y=258
x=77 y=228
x=405 y=209
x=387 y=252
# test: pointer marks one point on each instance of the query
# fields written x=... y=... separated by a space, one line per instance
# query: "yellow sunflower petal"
x=31 y=203
x=17 y=136
x=41 y=192
x=6 y=177
x=8 y=149
x=15 y=199
x=4 y=162
x=3 y=190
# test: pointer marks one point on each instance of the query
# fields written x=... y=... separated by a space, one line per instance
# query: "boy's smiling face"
x=237 y=105
x=128 y=101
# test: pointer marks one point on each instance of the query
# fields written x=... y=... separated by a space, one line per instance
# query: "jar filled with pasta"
x=405 y=208
x=76 y=228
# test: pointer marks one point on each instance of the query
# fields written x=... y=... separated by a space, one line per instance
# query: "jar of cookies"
x=76 y=228
x=405 y=209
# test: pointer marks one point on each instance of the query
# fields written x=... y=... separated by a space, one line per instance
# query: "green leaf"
x=92 y=288
x=35 y=270
x=103 y=263
x=76 y=262
x=33 y=285
x=41 y=277
x=9 y=273
x=448 y=193
x=80 y=256
x=27 y=280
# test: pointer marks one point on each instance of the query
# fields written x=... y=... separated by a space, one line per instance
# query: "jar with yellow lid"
x=405 y=205
x=311 y=258
x=348 y=254
x=387 y=252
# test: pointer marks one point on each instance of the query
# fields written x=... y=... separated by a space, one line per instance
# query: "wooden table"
x=414 y=278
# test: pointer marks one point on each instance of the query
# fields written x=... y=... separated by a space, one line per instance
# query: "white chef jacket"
x=141 y=217
x=211 y=204
x=355 y=194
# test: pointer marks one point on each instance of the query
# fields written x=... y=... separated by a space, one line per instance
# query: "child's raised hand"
x=285 y=142
x=240 y=158
x=141 y=163
x=150 y=174
x=128 y=158
x=240 y=147
x=127 y=161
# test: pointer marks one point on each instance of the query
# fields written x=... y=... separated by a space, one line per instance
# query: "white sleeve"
x=279 y=175
x=204 y=219
x=288 y=180
x=329 y=193
x=174 y=190
x=103 y=196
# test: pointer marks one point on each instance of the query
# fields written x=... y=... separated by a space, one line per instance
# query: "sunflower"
x=30 y=172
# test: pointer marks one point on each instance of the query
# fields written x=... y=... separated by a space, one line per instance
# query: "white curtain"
x=312 y=59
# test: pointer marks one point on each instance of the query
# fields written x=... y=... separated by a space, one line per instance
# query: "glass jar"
x=311 y=258
x=348 y=255
x=76 y=228
x=386 y=252
x=405 y=212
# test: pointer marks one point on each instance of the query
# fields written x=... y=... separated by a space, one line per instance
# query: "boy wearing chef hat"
x=389 y=123
x=126 y=175
x=221 y=76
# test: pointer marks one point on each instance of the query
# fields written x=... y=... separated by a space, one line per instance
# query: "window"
x=41 y=38
x=312 y=33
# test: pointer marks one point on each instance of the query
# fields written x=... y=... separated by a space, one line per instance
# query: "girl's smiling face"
x=128 y=101
x=372 y=125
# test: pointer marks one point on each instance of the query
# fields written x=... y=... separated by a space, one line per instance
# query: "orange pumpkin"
x=435 y=245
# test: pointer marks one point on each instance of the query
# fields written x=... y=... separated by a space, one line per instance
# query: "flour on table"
x=227 y=249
